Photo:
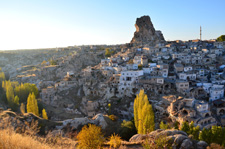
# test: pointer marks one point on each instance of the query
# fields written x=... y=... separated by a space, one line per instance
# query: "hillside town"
x=184 y=80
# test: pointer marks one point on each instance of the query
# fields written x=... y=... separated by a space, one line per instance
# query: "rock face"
x=176 y=138
x=145 y=34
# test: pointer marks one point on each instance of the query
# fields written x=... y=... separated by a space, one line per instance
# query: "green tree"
x=185 y=127
x=143 y=114
x=90 y=137
x=140 y=66
x=23 y=90
x=10 y=95
x=205 y=135
x=32 y=106
x=163 y=126
x=221 y=38
x=190 y=129
x=17 y=101
x=107 y=53
x=44 y=114
x=194 y=130
x=2 y=76
x=176 y=125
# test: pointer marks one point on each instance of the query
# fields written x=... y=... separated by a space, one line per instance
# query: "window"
x=128 y=78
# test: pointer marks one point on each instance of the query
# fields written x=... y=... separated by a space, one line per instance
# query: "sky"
x=32 y=24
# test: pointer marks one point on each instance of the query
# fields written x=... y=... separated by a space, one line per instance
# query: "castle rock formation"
x=145 y=34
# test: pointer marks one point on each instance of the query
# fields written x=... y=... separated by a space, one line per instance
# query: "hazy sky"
x=54 y=23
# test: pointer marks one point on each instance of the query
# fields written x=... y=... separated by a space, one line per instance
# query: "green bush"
x=127 y=130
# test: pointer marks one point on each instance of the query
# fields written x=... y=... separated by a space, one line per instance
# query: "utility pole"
x=200 y=33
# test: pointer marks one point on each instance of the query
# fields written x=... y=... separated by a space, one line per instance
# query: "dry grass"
x=11 y=140
x=25 y=136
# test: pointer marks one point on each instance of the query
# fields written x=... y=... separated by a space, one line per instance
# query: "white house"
x=137 y=59
x=187 y=68
x=146 y=70
x=201 y=106
x=128 y=78
x=216 y=92
x=105 y=62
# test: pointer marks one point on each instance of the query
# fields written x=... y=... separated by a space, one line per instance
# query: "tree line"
x=16 y=96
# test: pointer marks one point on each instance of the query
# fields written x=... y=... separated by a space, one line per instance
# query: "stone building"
x=189 y=109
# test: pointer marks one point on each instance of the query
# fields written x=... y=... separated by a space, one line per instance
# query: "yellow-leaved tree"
x=90 y=137
x=32 y=106
x=143 y=114
x=22 y=108
x=44 y=114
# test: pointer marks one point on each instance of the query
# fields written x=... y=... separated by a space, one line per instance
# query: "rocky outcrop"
x=175 y=138
x=76 y=123
x=145 y=34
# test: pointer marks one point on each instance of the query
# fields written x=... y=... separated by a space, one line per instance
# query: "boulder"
x=138 y=138
x=201 y=145
x=175 y=138
x=76 y=123
x=186 y=144
x=100 y=120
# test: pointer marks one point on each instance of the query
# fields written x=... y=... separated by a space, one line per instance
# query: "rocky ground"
x=170 y=138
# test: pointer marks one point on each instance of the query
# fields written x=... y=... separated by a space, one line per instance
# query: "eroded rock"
x=145 y=33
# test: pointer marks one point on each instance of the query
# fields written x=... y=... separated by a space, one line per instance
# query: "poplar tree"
x=143 y=114
x=22 y=108
x=32 y=106
x=10 y=94
x=16 y=101
x=44 y=114
x=2 y=76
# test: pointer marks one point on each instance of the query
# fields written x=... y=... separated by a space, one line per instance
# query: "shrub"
x=90 y=137
x=157 y=143
x=127 y=130
x=215 y=146
x=221 y=38
x=163 y=126
x=113 y=117
x=140 y=66
x=115 y=141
